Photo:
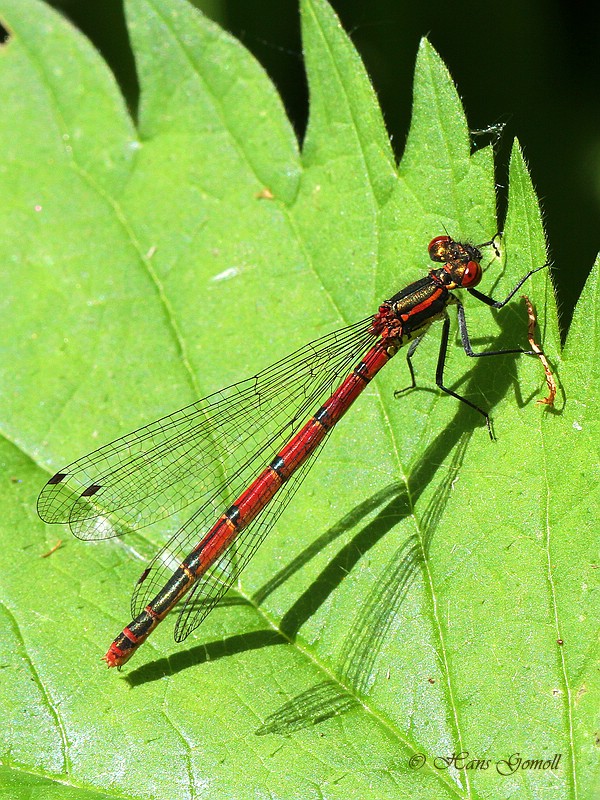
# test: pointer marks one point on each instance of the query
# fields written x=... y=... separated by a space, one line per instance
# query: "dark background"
x=533 y=65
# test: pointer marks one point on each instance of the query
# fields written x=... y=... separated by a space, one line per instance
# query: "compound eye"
x=438 y=248
x=472 y=275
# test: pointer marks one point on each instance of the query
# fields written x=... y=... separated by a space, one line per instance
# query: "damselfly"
x=242 y=453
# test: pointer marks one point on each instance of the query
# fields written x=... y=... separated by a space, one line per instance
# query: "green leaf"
x=411 y=598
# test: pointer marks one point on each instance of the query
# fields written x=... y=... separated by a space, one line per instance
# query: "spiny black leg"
x=489 y=301
x=466 y=341
x=413 y=383
x=492 y=243
x=439 y=376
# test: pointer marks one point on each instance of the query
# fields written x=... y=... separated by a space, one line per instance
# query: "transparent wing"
x=203 y=452
x=224 y=572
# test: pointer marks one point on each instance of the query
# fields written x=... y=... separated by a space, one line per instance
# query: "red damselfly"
x=242 y=453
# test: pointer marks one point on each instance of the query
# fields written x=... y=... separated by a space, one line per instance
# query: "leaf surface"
x=411 y=599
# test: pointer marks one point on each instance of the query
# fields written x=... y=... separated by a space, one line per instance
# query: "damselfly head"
x=461 y=261
x=445 y=249
x=465 y=275
x=438 y=248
